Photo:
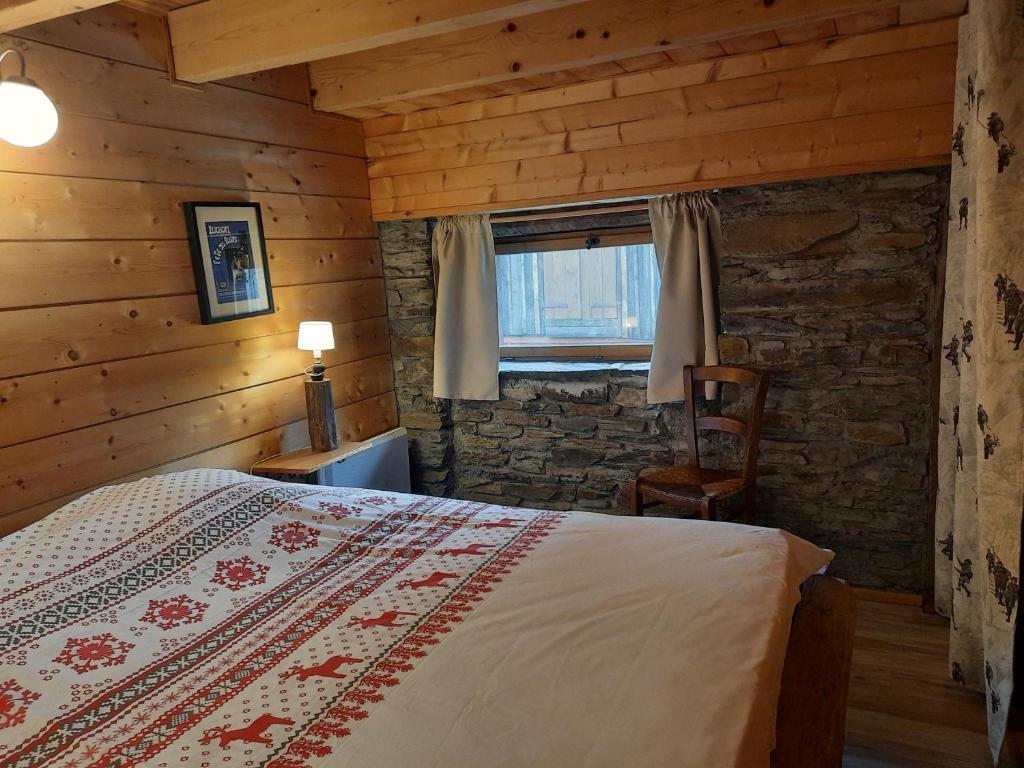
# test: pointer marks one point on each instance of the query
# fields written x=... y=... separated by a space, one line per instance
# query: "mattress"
x=209 y=618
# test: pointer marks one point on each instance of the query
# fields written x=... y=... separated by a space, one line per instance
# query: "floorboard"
x=904 y=712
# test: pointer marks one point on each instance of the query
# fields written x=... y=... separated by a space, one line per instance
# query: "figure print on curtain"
x=981 y=483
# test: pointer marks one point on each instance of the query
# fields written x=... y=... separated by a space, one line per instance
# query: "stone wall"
x=408 y=281
x=830 y=285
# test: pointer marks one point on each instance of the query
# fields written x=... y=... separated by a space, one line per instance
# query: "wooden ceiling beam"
x=15 y=14
x=222 y=38
x=594 y=32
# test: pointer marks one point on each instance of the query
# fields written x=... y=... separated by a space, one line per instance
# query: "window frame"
x=563 y=241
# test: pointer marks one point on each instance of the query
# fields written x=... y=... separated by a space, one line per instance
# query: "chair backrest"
x=749 y=429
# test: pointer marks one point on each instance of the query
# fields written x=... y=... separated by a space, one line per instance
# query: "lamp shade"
x=316 y=336
x=27 y=116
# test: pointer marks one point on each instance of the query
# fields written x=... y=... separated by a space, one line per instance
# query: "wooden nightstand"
x=380 y=463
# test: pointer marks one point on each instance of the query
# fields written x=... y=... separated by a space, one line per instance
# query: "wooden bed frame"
x=811 y=718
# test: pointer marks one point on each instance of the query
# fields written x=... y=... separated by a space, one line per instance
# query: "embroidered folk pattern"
x=174 y=720
x=436 y=579
x=338 y=510
x=291 y=537
x=60 y=735
x=242 y=653
x=355 y=703
x=329 y=668
x=505 y=522
x=251 y=734
x=377 y=501
x=219 y=495
x=84 y=654
x=14 y=703
x=473 y=549
x=240 y=573
x=175 y=611
x=120 y=586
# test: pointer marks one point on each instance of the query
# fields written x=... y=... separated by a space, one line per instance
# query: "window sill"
x=583 y=353
x=570 y=366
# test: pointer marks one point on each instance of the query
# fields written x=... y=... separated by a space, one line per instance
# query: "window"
x=558 y=298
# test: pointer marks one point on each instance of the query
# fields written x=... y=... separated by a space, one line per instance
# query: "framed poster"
x=229 y=258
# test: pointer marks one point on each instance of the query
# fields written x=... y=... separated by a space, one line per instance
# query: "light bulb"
x=27 y=116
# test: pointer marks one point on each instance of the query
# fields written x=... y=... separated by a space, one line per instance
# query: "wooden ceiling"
x=876 y=101
x=369 y=59
x=476 y=105
x=360 y=84
x=158 y=7
x=858 y=23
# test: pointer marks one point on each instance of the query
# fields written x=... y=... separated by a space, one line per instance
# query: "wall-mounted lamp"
x=27 y=116
x=316 y=336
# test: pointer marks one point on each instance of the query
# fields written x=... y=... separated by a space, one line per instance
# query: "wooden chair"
x=692 y=486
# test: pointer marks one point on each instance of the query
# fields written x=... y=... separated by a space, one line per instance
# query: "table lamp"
x=315 y=337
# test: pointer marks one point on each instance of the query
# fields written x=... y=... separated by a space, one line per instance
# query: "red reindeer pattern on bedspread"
x=207 y=618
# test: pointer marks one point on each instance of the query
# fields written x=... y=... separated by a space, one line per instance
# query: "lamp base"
x=323 y=432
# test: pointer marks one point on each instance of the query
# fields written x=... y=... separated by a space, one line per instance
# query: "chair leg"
x=636 y=499
x=707 y=509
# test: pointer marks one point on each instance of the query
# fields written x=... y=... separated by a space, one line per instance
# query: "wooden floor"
x=904 y=711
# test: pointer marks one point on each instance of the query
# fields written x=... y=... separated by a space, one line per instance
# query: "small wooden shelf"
x=306 y=461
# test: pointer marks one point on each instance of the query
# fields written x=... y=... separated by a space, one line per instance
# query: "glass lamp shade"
x=27 y=116
x=316 y=336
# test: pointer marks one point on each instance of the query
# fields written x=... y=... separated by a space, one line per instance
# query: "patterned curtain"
x=981 y=418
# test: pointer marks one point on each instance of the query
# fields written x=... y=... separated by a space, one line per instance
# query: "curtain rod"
x=566 y=213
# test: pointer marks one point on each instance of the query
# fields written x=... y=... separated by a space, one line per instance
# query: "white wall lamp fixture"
x=27 y=116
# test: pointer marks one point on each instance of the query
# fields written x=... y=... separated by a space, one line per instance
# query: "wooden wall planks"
x=63 y=208
x=106 y=373
x=881 y=100
x=36 y=471
x=70 y=335
x=95 y=148
x=119 y=269
x=366 y=417
x=44 y=403
x=139 y=38
x=94 y=86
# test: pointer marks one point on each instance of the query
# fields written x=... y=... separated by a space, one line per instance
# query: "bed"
x=211 y=618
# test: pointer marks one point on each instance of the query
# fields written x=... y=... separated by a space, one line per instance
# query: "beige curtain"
x=466 y=325
x=981 y=410
x=687 y=239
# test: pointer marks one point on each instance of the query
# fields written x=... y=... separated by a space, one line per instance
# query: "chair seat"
x=683 y=484
x=690 y=486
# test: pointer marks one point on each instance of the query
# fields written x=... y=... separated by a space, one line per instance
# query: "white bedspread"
x=209 y=618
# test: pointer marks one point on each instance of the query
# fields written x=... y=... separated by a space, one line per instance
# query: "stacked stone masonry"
x=829 y=285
